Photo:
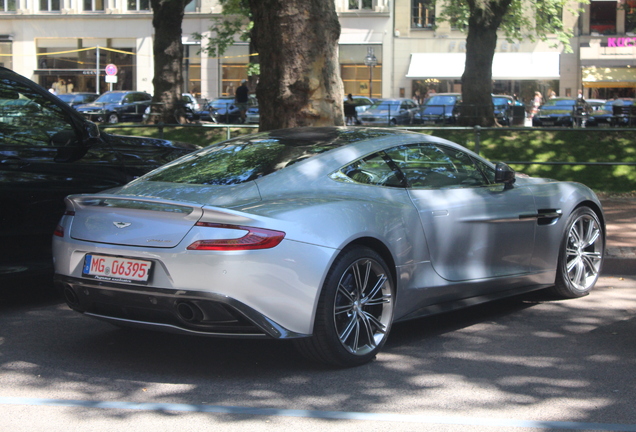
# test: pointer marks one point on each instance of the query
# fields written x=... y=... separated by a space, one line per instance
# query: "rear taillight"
x=255 y=238
x=59 y=231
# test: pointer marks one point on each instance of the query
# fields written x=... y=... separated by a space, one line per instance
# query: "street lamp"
x=370 y=60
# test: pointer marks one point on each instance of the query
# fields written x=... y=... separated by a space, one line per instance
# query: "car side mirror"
x=92 y=130
x=504 y=174
x=69 y=147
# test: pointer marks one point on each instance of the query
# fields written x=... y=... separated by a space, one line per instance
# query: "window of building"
x=50 y=5
x=6 y=49
x=191 y=7
x=358 y=78
x=629 y=6
x=138 y=5
x=423 y=14
x=8 y=5
x=360 y=4
x=603 y=16
x=94 y=5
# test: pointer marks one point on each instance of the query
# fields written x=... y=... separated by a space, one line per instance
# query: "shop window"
x=423 y=14
x=360 y=4
x=49 y=5
x=233 y=74
x=603 y=17
x=360 y=81
x=6 y=50
x=139 y=5
x=8 y=5
x=94 y=5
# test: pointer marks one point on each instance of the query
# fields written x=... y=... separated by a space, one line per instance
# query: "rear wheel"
x=581 y=254
x=355 y=311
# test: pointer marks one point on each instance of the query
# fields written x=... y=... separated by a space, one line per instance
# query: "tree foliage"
x=234 y=23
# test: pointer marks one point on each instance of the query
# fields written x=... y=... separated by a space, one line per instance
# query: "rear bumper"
x=168 y=310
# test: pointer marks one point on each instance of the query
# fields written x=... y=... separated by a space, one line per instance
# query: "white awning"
x=505 y=66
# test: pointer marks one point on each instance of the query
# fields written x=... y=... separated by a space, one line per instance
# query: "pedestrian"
x=351 y=115
x=536 y=102
x=241 y=98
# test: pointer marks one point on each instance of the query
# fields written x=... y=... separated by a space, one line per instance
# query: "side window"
x=27 y=118
x=371 y=170
x=431 y=166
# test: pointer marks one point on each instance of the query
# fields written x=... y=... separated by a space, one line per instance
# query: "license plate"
x=429 y=123
x=603 y=125
x=545 y=123
x=116 y=269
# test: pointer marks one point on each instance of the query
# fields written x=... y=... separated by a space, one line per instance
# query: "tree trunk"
x=168 y=58
x=481 y=42
x=297 y=42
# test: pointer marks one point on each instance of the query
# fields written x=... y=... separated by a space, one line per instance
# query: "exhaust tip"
x=189 y=312
x=70 y=297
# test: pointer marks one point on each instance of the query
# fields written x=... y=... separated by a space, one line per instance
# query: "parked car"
x=191 y=102
x=389 y=112
x=117 y=106
x=225 y=110
x=624 y=112
x=563 y=112
x=506 y=109
x=325 y=236
x=47 y=151
x=601 y=114
x=187 y=104
x=74 y=99
x=253 y=115
x=439 y=109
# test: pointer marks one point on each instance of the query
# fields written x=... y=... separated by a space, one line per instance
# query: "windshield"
x=67 y=97
x=559 y=103
x=222 y=103
x=249 y=158
x=385 y=105
x=442 y=100
x=498 y=101
x=110 y=98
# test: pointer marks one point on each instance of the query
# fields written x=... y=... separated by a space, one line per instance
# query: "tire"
x=355 y=311
x=112 y=118
x=581 y=254
x=393 y=122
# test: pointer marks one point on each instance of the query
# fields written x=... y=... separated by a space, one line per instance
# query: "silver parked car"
x=389 y=112
x=325 y=236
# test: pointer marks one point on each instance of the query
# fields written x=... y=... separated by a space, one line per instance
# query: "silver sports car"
x=325 y=236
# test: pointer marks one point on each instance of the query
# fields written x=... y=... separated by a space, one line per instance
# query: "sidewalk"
x=620 y=222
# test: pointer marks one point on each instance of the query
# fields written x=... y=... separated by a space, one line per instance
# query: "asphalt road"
x=524 y=364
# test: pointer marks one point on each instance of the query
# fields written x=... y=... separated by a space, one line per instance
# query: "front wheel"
x=355 y=310
x=581 y=254
x=112 y=118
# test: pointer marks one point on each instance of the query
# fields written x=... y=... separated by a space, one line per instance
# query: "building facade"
x=388 y=48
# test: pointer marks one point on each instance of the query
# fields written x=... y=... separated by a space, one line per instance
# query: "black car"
x=601 y=114
x=225 y=110
x=117 y=106
x=75 y=99
x=624 y=111
x=439 y=109
x=563 y=112
x=48 y=151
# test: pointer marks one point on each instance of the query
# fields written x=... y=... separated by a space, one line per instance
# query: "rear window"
x=249 y=158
